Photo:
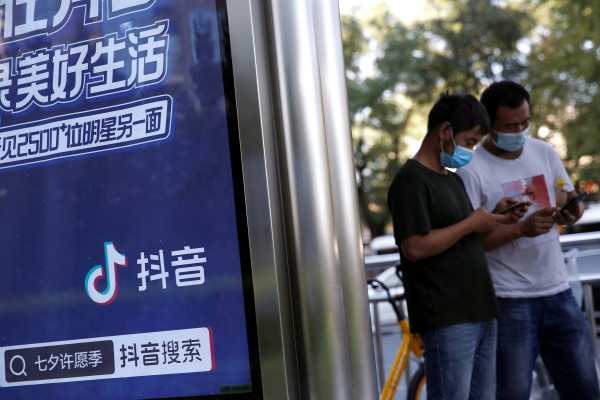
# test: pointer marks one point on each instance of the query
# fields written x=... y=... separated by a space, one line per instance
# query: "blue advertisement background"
x=55 y=217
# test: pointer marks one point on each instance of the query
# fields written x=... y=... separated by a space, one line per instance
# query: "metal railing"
x=588 y=245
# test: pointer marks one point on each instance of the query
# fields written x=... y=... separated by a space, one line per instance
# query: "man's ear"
x=445 y=132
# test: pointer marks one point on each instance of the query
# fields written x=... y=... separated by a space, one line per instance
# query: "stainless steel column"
x=378 y=345
x=588 y=301
x=344 y=194
x=313 y=252
x=258 y=145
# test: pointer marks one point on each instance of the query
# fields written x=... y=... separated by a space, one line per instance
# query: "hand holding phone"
x=515 y=207
x=568 y=216
x=575 y=200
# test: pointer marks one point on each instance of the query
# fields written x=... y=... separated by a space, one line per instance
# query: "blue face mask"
x=459 y=158
x=511 y=141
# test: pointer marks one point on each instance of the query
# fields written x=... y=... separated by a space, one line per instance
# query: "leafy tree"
x=473 y=43
x=564 y=75
x=378 y=120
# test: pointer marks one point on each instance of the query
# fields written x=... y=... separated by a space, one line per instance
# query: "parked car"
x=383 y=245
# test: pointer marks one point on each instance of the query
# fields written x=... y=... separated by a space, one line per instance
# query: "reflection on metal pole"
x=258 y=141
x=588 y=300
x=310 y=223
x=328 y=38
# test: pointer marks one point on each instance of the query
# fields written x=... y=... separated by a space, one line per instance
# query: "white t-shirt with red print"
x=526 y=267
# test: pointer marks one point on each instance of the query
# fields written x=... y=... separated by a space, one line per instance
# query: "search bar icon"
x=55 y=362
x=17 y=361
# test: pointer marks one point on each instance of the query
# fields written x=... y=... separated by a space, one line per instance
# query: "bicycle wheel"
x=416 y=386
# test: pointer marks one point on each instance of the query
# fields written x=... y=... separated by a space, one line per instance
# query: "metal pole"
x=408 y=373
x=328 y=39
x=258 y=142
x=311 y=233
x=378 y=346
x=588 y=299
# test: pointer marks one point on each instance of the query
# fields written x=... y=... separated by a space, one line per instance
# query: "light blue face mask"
x=511 y=141
x=459 y=158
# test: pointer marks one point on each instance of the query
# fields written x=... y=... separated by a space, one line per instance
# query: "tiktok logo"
x=108 y=295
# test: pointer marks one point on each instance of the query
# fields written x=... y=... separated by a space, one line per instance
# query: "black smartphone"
x=577 y=199
x=514 y=207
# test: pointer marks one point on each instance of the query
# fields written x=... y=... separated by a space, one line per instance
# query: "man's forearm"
x=500 y=236
x=437 y=241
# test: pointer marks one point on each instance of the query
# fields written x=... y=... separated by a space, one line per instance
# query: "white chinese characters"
x=187 y=263
x=21 y=19
x=69 y=361
x=101 y=129
x=98 y=67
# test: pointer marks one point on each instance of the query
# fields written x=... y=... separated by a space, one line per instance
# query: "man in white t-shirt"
x=537 y=311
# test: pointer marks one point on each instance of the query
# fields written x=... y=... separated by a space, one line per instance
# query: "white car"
x=383 y=245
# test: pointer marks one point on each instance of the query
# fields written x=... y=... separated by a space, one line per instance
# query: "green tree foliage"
x=564 y=76
x=473 y=43
x=378 y=121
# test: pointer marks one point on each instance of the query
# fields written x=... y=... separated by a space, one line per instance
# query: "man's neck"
x=490 y=146
x=430 y=158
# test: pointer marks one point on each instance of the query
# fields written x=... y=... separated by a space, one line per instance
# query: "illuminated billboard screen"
x=123 y=238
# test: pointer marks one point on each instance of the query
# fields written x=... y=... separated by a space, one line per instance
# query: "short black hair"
x=503 y=94
x=463 y=111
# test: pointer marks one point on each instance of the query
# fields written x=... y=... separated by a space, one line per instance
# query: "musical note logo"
x=108 y=295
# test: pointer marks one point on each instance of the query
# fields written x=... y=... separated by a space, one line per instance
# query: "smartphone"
x=514 y=207
x=577 y=199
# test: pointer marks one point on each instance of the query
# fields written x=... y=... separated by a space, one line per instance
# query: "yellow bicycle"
x=411 y=343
